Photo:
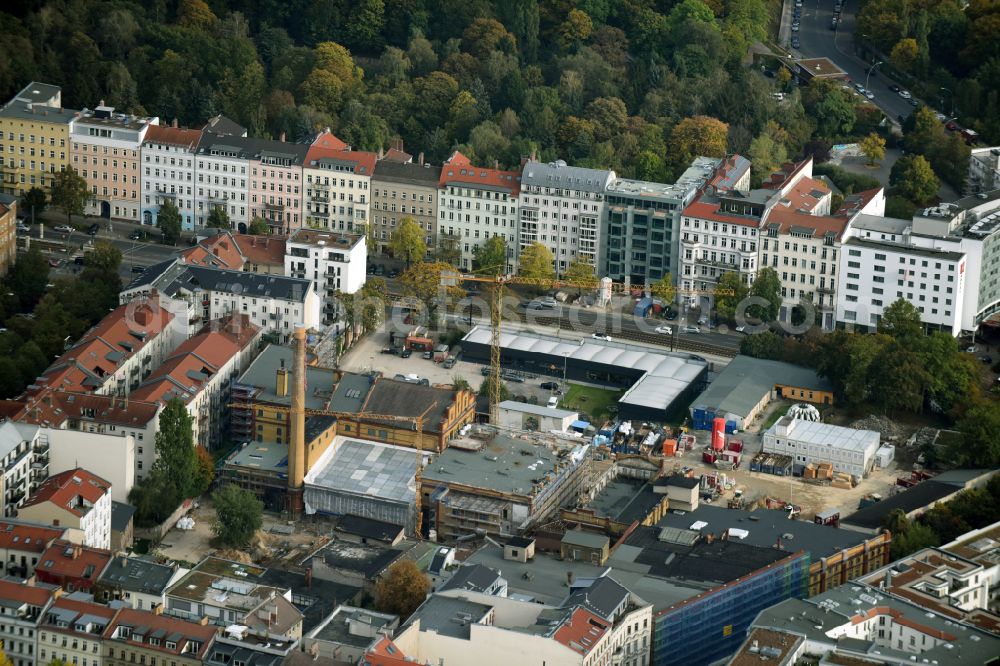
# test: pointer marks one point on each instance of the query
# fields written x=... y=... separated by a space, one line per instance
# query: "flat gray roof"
x=538 y=410
x=263 y=373
x=585 y=539
x=888 y=225
x=440 y=614
x=505 y=464
x=367 y=468
x=268 y=456
x=825 y=434
x=560 y=175
x=746 y=380
x=904 y=249
x=335 y=629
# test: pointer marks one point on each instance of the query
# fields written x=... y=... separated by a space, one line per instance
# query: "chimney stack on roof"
x=174 y=123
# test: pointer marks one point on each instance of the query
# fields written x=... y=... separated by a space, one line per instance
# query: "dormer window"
x=171 y=645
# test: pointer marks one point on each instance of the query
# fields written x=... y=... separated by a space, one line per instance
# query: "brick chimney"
x=174 y=123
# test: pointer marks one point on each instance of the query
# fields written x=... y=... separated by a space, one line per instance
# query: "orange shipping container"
x=669 y=447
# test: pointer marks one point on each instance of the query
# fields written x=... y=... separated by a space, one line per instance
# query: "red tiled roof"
x=220 y=251
x=64 y=560
x=385 y=653
x=856 y=202
x=132 y=618
x=193 y=364
x=820 y=224
x=262 y=250
x=173 y=136
x=25 y=593
x=65 y=489
x=47 y=406
x=34 y=538
x=805 y=195
x=710 y=211
x=328 y=146
x=581 y=631
x=459 y=169
x=106 y=346
x=788 y=172
x=396 y=155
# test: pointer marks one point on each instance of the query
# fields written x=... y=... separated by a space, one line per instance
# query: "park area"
x=596 y=403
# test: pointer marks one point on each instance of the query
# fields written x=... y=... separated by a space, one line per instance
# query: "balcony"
x=278 y=208
x=324 y=198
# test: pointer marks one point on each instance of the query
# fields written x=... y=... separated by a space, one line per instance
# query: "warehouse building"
x=659 y=384
x=747 y=385
x=809 y=442
x=522 y=416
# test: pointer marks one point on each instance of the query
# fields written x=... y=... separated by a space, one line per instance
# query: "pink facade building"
x=276 y=186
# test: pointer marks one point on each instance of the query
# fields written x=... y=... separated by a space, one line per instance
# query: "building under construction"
x=506 y=486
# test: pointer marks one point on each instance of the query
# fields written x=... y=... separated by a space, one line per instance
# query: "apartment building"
x=168 y=172
x=247 y=252
x=22 y=543
x=75 y=498
x=562 y=207
x=201 y=294
x=118 y=352
x=200 y=373
x=276 y=186
x=984 y=170
x=24 y=457
x=70 y=632
x=337 y=185
x=104 y=148
x=136 y=582
x=8 y=232
x=404 y=189
x=34 y=138
x=143 y=637
x=642 y=224
x=333 y=261
x=222 y=167
x=476 y=203
x=24 y=606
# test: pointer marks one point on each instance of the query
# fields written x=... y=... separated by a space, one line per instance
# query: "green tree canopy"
x=258 y=226
x=407 y=241
x=239 y=514
x=914 y=178
x=766 y=286
x=729 y=293
x=490 y=258
x=537 y=264
x=901 y=320
x=70 y=193
x=176 y=459
x=169 y=221
x=35 y=202
x=218 y=218
x=581 y=275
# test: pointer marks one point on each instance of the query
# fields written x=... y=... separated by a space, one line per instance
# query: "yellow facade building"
x=34 y=138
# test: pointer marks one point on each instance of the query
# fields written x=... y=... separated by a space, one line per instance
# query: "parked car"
x=379 y=270
x=702 y=321
x=691 y=329
x=869 y=94
x=795 y=42
x=394 y=273
x=664 y=330
x=406 y=353
x=553 y=402
x=913 y=102
x=55 y=263
x=449 y=362
x=428 y=355
x=971 y=349
x=138 y=269
x=137 y=234
x=986 y=359
x=63 y=228
x=905 y=94
x=79 y=260
x=389 y=350
x=550 y=386
x=93 y=229
x=23 y=228
x=601 y=336
x=741 y=329
x=894 y=88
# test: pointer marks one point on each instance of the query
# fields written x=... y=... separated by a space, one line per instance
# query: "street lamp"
x=870 y=70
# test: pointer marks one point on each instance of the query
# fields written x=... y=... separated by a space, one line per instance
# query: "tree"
x=980 y=446
x=765 y=155
x=28 y=277
x=914 y=178
x=537 y=264
x=664 y=289
x=484 y=388
x=835 y=114
x=175 y=452
x=402 y=589
x=407 y=241
x=195 y=14
x=699 y=135
x=873 y=147
x=577 y=27
x=218 y=218
x=239 y=514
x=168 y=219
x=730 y=291
x=449 y=250
x=897 y=378
x=205 y=471
x=424 y=282
x=904 y=54
x=767 y=285
x=901 y=320
x=69 y=193
x=490 y=258
x=258 y=226
x=581 y=274
x=766 y=344
x=35 y=203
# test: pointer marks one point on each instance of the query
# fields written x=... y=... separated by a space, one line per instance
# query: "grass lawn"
x=775 y=415
x=595 y=402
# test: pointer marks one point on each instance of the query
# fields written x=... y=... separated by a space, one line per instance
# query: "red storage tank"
x=719 y=434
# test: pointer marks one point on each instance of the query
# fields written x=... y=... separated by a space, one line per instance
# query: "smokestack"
x=174 y=123
x=297 y=427
x=420 y=158
x=281 y=383
x=282 y=137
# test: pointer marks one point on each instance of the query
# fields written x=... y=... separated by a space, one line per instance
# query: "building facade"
x=984 y=170
x=333 y=261
x=222 y=168
x=337 y=185
x=168 y=172
x=105 y=150
x=142 y=637
x=71 y=631
x=402 y=189
x=474 y=204
x=8 y=232
x=24 y=607
x=276 y=183
x=34 y=138
x=25 y=459
x=562 y=207
x=812 y=443
x=75 y=498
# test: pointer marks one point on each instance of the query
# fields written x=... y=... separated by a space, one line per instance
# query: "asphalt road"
x=818 y=41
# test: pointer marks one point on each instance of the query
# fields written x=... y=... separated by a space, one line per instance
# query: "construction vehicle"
x=450 y=279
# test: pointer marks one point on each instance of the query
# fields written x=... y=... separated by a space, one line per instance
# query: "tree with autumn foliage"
x=402 y=589
x=699 y=135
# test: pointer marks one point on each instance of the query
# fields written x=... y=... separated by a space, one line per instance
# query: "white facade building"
x=332 y=261
x=168 y=172
x=20 y=447
x=76 y=498
x=201 y=294
x=810 y=442
x=109 y=456
x=337 y=182
x=563 y=207
x=984 y=169
x=475 y=204
x=222 y=169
